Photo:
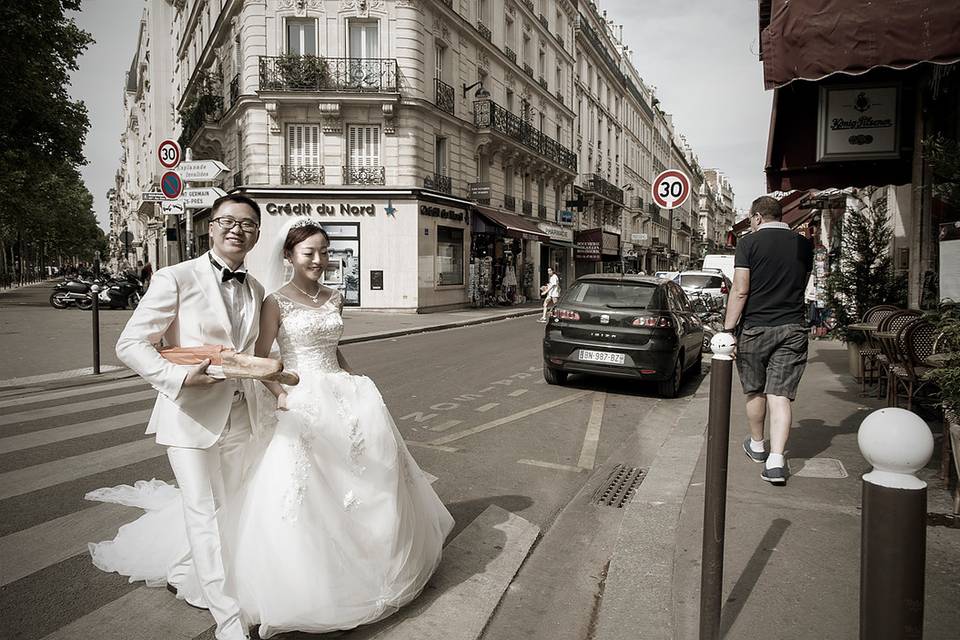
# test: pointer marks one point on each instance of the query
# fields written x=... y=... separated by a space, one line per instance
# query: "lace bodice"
x=309 y=336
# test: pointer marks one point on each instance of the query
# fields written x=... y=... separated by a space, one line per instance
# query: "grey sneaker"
x=756 y=456
x=776 y=475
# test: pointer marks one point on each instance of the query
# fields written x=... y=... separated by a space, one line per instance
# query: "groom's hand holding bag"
x=231 y=363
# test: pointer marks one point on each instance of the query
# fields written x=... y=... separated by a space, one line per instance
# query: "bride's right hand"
x=282 y=402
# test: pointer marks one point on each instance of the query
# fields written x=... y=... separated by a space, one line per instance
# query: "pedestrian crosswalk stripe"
x=70 y=431
x=77 y=407
x=48 y=474
x=46 y=396
x=58 y=375
x=46 y=544
x=142 y=614
x=551 y=465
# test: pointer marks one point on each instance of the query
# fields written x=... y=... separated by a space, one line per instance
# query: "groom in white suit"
x=204 y=422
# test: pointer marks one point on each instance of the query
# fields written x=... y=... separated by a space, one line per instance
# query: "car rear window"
x=701 y=281
x=613 y=294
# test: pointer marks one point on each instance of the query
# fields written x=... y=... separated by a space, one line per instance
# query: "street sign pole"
x=189 y=217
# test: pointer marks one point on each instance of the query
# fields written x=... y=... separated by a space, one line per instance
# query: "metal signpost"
x=201 y=170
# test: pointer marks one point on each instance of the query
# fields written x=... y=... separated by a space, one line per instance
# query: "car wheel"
x=554 y=376
x=58 y=301
x=670 y=387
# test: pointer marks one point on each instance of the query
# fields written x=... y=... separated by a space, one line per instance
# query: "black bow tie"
x=226 y=275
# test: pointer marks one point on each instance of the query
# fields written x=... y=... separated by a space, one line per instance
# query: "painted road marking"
x=443 y=426
x=486 y=407
x=48 y=474
x=46 y=396
x=46 y=544
x=99 y=403
x=453 y=437
x=69 y=432
x=551 y=465
x=588 y=454
x=428 y=445
x=59 y=375
x=517 y=393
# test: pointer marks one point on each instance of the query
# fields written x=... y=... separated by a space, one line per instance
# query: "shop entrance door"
x=343 y=271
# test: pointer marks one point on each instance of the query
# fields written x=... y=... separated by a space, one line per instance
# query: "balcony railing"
x=205 y=108
x=528 y=4
x=298 y=174
x=543 y=83
x=234 y=90
x=527 y=69
x=542 y=210
x=510 y=203
x=510 y=54
x=364 y=175
x=487 y=114
x=444 y=96
x=484 y=31
x=527 y=207
x=595 y=183
x=312 y=73
x=559 y=38
x=684 y=227
x=559 y=95
x=438 y=182
x=544 y=21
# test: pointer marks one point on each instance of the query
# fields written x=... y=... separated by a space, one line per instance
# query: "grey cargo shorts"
x=772 y=359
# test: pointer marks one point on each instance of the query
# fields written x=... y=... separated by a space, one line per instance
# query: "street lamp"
x=481 y=93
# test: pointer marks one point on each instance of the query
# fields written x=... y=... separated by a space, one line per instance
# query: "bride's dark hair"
x=301 y=232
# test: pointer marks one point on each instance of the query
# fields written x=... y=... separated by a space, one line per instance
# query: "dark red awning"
x=812 y=39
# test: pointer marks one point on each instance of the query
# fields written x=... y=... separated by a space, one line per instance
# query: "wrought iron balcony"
x=300 y=174
x=449 y=3
x=312 y=73
x=444 y=96
x=527 y=207
x=484 y=31
x=529 y=5
x=438 y=182
x=542 y=210
x=559 y=95
x=544 y=21
x=487 y=114
x=234 y=90
x=510 y=54
x=559 y=38
x=527 y=69
x=364 y=175
x=593 y=182
x=685 y=228
x=510 y=203
x=543 y=83
x=205 y=108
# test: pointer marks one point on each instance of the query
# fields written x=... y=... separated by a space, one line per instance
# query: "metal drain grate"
x=619 y=487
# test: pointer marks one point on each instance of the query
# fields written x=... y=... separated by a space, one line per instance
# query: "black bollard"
x=95 y=314
x=715 y=487
x=893 y=535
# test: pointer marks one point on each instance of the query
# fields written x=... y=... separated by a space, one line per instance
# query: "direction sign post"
x=188 y=219
x=201 y=197
x=152 y=196
x=201 y=170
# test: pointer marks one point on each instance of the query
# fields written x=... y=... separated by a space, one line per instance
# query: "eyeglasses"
x=227 y=223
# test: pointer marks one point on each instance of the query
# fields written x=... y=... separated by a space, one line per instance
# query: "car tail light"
x=653 y=322
x=566 y=314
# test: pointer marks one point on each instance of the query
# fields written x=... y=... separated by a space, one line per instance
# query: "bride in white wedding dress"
x=337 y=526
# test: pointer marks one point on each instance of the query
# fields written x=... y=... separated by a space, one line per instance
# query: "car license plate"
x=601 y=356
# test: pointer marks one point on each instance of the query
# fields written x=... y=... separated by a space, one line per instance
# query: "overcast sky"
x=699 y=54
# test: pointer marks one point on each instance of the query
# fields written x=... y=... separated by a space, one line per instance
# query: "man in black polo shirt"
x=771 y=269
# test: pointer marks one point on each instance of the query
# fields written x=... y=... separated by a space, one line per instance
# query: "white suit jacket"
x=183 y=307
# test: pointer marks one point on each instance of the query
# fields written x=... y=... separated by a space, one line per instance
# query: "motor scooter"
x=122 y=292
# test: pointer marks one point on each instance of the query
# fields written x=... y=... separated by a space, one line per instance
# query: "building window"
x=364 y=39
x=302 y=37
x=482 y=11
x=363 y=145
x=449 y=256
x=438 y=61
x=509 y=100
x=440 y=156
x=303 y=145
x=508 y=181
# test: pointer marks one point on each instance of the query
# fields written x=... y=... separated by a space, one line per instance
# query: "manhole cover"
x=619 y=487
x=817 y=468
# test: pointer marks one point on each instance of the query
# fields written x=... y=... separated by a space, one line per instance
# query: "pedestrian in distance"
x=550 y=293
x=766 y=312
x=146 y=272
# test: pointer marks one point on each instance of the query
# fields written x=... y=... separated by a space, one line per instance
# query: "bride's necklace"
x=315 y=297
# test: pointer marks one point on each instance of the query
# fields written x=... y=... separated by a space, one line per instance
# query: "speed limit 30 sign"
x=169 y=154
x=670 y=189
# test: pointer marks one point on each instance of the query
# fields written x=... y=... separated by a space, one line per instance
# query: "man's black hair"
x=234 y=197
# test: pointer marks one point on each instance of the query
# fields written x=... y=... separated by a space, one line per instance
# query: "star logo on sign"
x=390 y=209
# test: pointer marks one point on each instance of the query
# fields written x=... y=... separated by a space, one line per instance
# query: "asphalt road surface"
x=471 y=404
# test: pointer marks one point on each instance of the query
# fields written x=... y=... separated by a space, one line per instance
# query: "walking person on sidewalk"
x=551 y=292
x=766 y=308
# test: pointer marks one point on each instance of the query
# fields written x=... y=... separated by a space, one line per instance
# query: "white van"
x=723 y=262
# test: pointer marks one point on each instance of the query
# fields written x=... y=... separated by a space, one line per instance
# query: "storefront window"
x=449 y=256
x=343 y=270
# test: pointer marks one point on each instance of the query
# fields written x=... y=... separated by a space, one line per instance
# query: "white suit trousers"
x=209 y=480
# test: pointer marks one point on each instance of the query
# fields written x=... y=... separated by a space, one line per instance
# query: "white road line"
x=76 y=407
x=551 y=465
x=427 y=445
x=517 y=393
x=443 y=426
x=588 y=454
x=71 y=431
x=486 y=407
x=59 y=375
x=142 y=614
x=48 y=474
x=44 y=545
x=71 y=392
x=453 y=437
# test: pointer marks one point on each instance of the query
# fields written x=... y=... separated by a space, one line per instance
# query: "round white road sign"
x=671 y=189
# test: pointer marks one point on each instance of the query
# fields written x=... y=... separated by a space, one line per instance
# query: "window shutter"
x=303 y=145
x=363 y=146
